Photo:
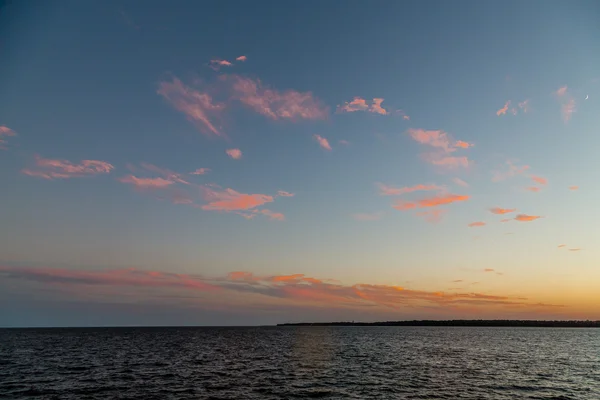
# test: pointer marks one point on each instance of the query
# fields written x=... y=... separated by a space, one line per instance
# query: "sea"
x=300 y=363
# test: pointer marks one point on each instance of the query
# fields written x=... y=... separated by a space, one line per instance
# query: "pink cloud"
x=200 y=171
x=218 y=63
x=273 y=215
x=324 y=143
x=526 y=218
x=460 y=182
x=165 y=173
x=360 y=104
x=236 y=154
x=448 y=162
x=430 y=201
x=438 y=139
x=567 y=102
x=367 y=217
x=533 y=189
x=385 y=190
x=241 y=58
x=433 y=216
x=501 y=211
x=146 y=183
x=476 y=224
x=561 y=91
x=276 y=105
x=511 y=171
x=524 y=105
x=283 y=193
x=573 y=187
x=488 y=270
x=503 y=110
x=539 y=179
x=464 y=145
x=198 y=107
x=230 y=200
x=5 y=132
x=63 y=169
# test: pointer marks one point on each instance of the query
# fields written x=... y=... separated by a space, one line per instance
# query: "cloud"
x=488 y=270
x=533 y=189
x=200 y=171
x=457 y=280
x=573 y=187
x=505 y=220
x=503 y=110
x=438 y=139
x=165 y=173
x=463 y=145
x=526 y=218
x=236 y=154
x=511 y=171
x=433 y=216
x=230 y=200
x=449 y=162
x=277 y=105
x=539 y=179
x=385 y=190
x=403 y=205
x=368 y=217
x=562 y=91
x=567 y=102
x=146 y=182
x=344 y=142
x=218 y=63
x=5 y=132
x=501 y=211
x=63 y=169
x=561 y=245
x=198 y=107
x=476 y=224
x=277 y=216
x=460 y=182
x=524 y=105
x=441 y=199
x=241 y=58
x=575 y=249
x=324 y=143
x=283 y=193
x=360 y=104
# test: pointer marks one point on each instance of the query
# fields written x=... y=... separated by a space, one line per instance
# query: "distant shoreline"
x=460 y=322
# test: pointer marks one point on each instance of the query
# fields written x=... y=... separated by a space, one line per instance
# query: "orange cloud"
x=561 y=245
x=441 y=199
x=433 y=216
x=561 y=91
x=5 y=132
x=404 y=205
x=276 y=105
x=573 y=187
x=360 y=104
x=526 y=218
x=324 y=143
x=200 y=171
x=368 y=217
x=438 y=139
x=464 y=145
x=283 y=193
x=443 y=144
x=533 y=188
x=488 y=270
x=512 y=170
x=63 y=169
x=198 y=107
x=146 y=183
x=476 y=224
x=539 y=179
x=241 y=58
x=500 y=211
x=230 y=200
x=503 y=110
x=385 y=190
x=460 y=182
x=236 y=154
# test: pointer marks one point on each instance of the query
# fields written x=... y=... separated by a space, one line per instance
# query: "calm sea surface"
x=300 y=362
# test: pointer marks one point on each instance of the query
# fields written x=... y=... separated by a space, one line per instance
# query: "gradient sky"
x=218 y=163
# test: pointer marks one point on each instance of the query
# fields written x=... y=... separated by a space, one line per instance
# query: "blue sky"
x=110 y=82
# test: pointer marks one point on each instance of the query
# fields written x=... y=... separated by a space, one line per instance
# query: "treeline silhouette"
x=461 y=322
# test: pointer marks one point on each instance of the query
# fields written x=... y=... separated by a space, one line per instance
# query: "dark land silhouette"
x=461 y=322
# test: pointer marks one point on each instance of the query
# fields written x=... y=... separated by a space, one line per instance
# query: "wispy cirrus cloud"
x=236 y=154
x=360 y=104
x=63 y=169
x=443 y=145
x=434 y=201
x=539 y=179
x=385 y=190
x=504 y=109
x=279 y=288
x=146 y=183
x=460 y=182
x=368 y=217
x=567 y=103
x=161 y=177
x=201 y=171
x=510 y=171
x=5 y=132
x=526 y=218
x=198 y=107
x=501 y=211
x=476 y=224
x=575 y=249
x=283 y=193
x=324 y=143
x=276 y=105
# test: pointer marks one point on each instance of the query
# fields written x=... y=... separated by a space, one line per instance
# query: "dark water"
x=305 y=362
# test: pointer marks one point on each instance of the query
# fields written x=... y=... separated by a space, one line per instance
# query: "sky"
x=248 y=163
